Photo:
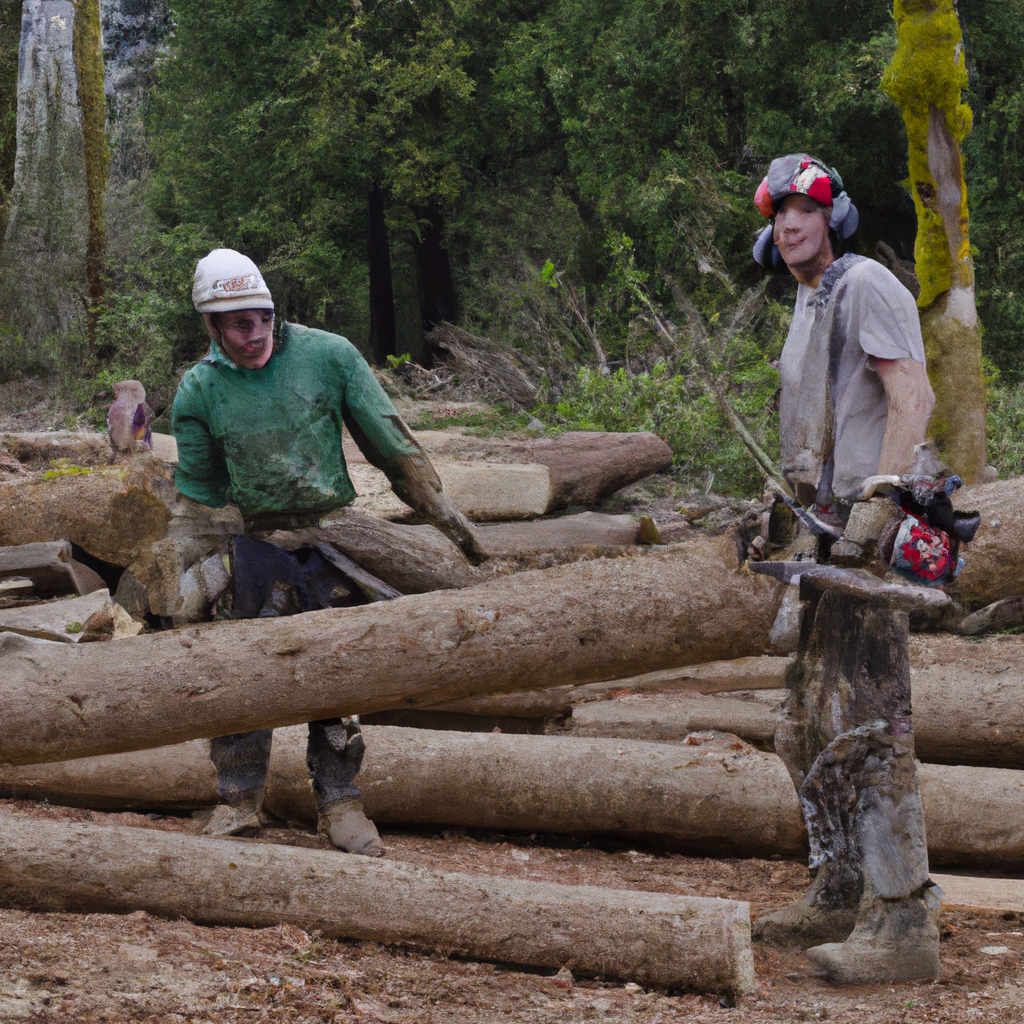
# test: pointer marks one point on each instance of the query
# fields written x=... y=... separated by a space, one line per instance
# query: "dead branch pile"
x=484 y=367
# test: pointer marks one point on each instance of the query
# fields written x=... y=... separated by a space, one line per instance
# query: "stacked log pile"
x=686 y=619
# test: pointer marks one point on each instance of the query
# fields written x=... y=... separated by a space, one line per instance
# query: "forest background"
x=571 y=180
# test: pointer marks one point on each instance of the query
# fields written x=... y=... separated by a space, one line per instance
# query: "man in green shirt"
x=258 y=422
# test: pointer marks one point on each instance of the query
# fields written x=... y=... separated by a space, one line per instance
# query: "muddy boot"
x=826 y=913
x=237 y=818
x=349 y=829
x=895 y=940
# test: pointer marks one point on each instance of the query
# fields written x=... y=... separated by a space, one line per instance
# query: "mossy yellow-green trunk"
x=88 y=54
x=926 y=78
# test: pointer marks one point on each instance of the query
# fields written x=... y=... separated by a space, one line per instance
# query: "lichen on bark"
x=926 y=77
x=88 y=57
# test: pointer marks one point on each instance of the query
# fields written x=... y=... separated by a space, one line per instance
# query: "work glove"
x=416 y=482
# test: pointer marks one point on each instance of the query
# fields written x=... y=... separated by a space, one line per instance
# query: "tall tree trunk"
x=10 y=32
x=383 y=341
x=437 y=288
x=88 y=52
x=55 y=237
x=926 y=78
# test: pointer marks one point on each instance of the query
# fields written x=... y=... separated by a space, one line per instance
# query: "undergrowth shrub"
x=683 y=413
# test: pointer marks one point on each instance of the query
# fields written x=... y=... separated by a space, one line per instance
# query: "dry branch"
x=482 y=362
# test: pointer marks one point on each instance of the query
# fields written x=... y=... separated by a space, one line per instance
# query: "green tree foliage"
x=619 y=142
x=994 y=155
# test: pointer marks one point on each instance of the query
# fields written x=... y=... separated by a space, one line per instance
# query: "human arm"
x=414 y=479
x=910 y=402
x=387 y=443
x=201 y=473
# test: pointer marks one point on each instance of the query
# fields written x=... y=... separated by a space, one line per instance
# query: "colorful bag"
x=925 y=554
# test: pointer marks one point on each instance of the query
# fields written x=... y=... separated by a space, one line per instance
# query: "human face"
x=801 y=234
x=246 y=336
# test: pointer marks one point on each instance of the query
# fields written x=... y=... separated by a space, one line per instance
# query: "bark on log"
x=1003 y=614
x=994 y=560
x=572 y=624
x=114 y=514
x=651 y=938
x=725 y=802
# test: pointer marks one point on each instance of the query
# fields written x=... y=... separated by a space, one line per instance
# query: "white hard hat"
x=227 y=280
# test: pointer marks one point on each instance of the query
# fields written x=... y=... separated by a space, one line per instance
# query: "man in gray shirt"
x=855 y=394
x=855 y=402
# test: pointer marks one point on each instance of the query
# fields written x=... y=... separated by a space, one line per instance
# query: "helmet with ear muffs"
x=800 y=174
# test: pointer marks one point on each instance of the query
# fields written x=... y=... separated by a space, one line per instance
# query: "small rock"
x=995 y=950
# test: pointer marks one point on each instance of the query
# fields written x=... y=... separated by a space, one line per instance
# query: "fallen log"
x=113 y=513
x=572 y=624
x=716 y=797
x=670 y=718
x=967 y=696
x=587 y=466
x=50 y=567
x=582 y=466
x=981 y=895
x=653 y=939
x=994 y=560
x=765 y=672
x=1006 y=613
x=966 y=704
x=42 y=449
x=86 y=619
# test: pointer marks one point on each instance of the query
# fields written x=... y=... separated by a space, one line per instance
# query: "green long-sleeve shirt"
x=269 y=440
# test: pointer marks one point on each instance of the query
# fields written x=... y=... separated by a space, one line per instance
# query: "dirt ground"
x=92 y=968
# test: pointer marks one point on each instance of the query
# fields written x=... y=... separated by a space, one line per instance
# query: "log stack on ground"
x=652 y=939
x=716 y=797
x=572 y=624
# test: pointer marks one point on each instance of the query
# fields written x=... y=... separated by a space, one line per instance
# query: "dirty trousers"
x=849 y=748
x=334 y=752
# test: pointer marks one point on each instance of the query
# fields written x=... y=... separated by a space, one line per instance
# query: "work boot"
x=802 y=923
x=349 y=829
x=234 y=819
x=895 y=940
x=820 y=915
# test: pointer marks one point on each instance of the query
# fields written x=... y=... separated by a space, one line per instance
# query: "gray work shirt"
x=833 y=408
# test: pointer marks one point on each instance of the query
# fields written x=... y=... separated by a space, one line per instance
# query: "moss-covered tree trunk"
x=88 y=53
x=926 y=78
